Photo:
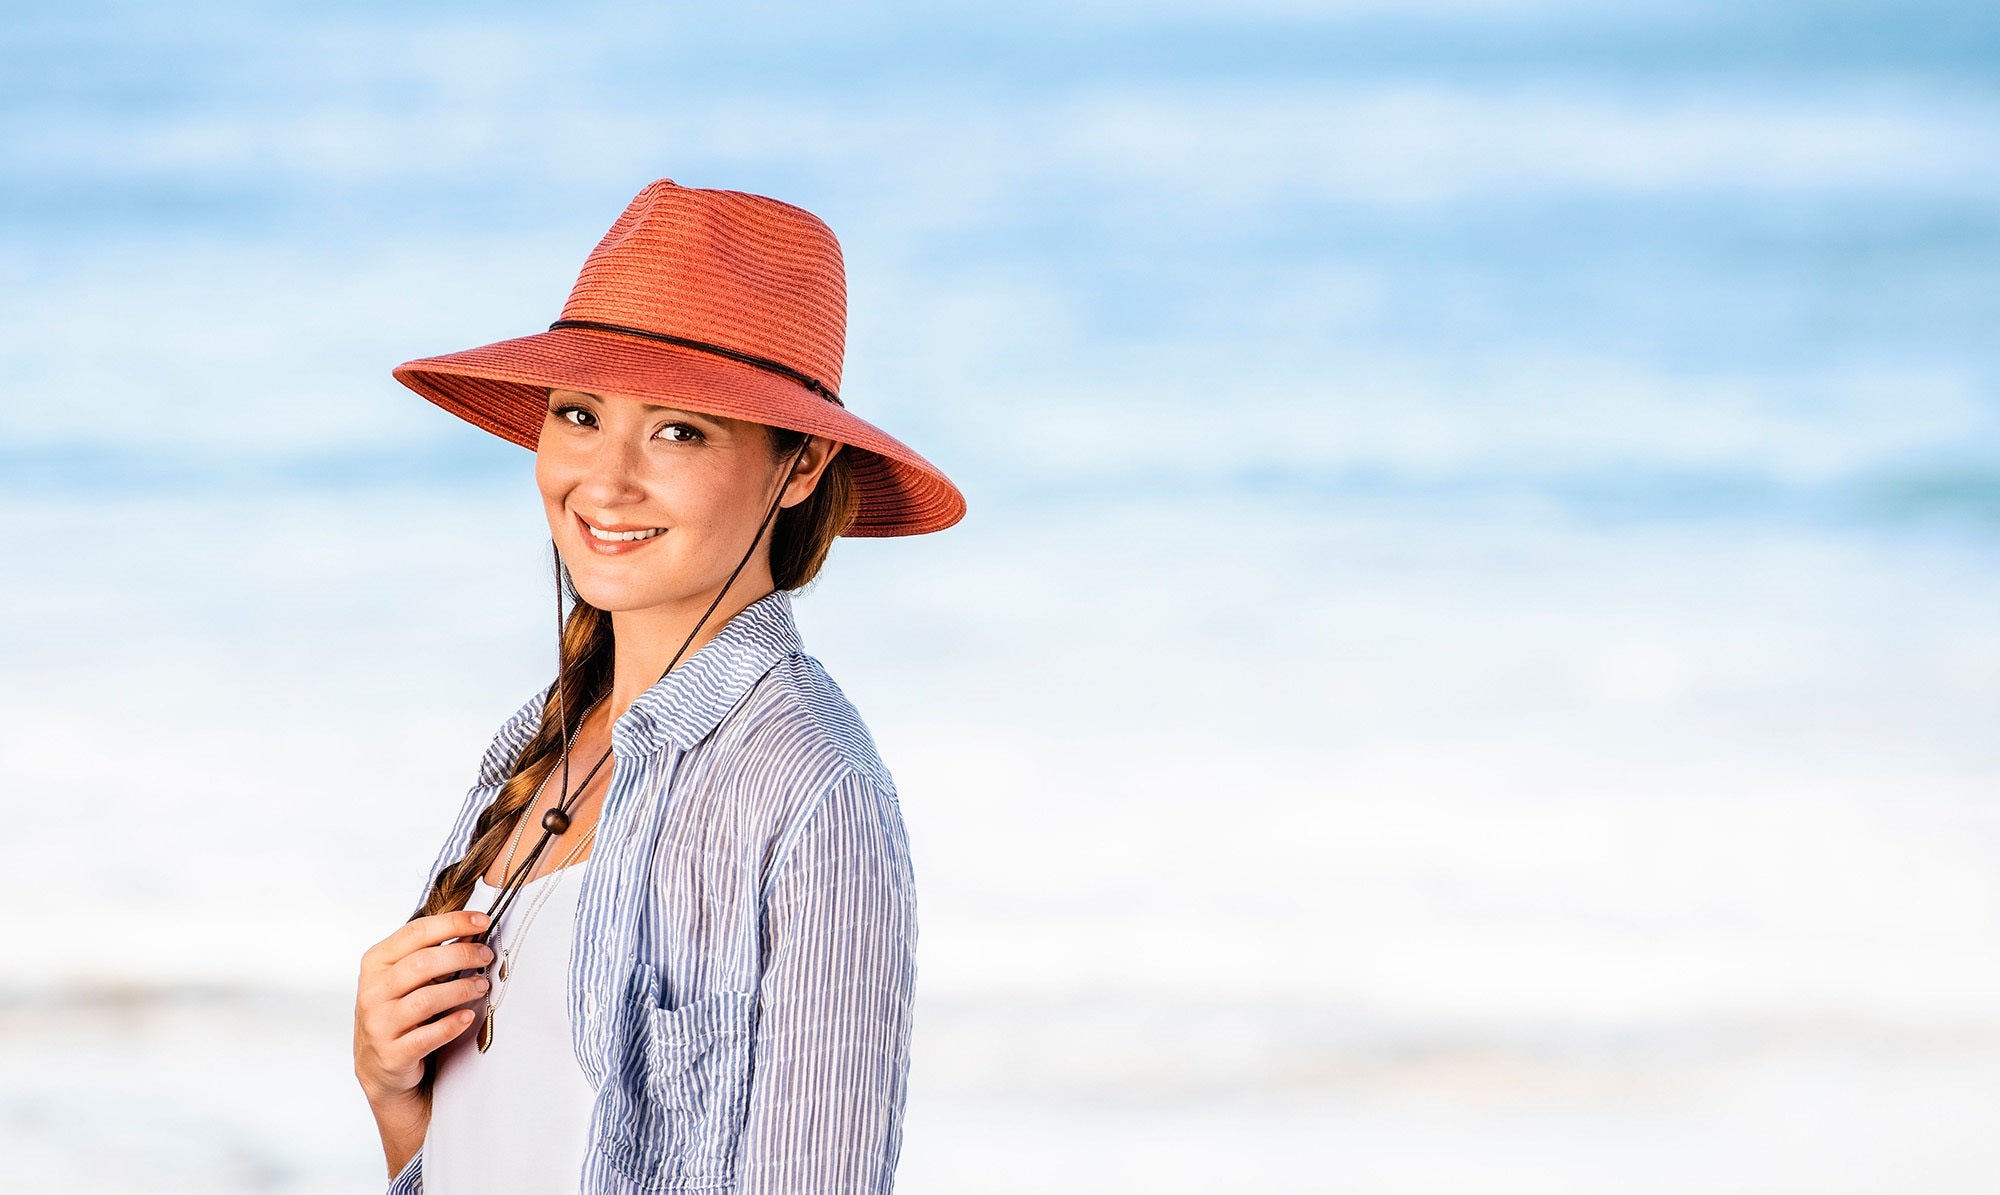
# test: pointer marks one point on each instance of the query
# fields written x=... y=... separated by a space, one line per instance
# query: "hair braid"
x=583 y=678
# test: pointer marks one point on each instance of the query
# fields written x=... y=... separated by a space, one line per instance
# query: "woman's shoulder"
x=497 y=762
x=798 y=719
x=803 y=765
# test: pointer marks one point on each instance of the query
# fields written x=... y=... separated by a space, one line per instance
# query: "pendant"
x=486 y=1032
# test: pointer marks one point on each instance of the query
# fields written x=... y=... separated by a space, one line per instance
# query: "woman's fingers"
x=422 y=932
x=431 y=999
x=409 y=1050
x=428 y=964
x=387 y=1021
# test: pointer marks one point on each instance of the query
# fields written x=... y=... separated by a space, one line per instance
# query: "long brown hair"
x=800 y=540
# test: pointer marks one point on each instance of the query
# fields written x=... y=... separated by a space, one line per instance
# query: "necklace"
x=517 y=938
x=511 y=883
x=555 y=821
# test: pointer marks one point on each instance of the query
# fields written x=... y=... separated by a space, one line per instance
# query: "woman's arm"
x=402 y=1122
x=831 y=1055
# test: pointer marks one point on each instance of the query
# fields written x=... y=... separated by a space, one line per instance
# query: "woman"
x=697 y=970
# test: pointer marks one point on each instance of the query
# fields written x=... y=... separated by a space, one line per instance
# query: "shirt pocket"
x=682 y=1093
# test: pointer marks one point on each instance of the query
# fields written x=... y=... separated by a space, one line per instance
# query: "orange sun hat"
x=716 y=301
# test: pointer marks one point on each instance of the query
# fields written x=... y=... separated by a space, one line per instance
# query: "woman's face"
x=695 y=486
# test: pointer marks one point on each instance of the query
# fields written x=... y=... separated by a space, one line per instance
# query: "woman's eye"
x=681 y=433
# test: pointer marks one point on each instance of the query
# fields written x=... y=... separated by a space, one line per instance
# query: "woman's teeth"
x=611 y=535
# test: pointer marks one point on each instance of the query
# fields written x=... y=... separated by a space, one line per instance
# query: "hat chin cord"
x=557 y=819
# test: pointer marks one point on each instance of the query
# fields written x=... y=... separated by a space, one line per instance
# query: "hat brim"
x=502 y=387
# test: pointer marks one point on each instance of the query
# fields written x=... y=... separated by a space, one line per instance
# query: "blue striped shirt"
x=741 y=981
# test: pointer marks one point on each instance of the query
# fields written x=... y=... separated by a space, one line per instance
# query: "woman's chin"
x=614 y=594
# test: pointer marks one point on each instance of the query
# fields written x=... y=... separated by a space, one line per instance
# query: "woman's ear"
x=819 y=451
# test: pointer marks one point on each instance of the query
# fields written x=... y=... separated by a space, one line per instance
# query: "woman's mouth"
x=617 y=543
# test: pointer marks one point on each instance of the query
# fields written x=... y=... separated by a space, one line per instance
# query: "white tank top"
x=516 y=1118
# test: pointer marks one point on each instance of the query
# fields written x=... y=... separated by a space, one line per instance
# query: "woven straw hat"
x=715 y=301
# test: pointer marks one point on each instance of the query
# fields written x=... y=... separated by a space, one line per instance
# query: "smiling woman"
x=712 y=986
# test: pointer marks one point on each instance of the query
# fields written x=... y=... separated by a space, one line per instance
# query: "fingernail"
x=479 y=920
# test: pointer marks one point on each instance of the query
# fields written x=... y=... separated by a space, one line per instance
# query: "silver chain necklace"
x=517 y=937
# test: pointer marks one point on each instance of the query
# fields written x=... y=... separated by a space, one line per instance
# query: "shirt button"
x=590 y=1002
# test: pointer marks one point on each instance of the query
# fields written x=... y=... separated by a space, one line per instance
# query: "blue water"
x=1479 y=231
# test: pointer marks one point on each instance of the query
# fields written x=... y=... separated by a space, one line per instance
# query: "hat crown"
x=729 y=268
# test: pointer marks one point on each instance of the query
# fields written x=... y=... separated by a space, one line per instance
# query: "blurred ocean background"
x=1472 y=665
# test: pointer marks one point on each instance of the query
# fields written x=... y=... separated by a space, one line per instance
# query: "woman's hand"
x=398 y=996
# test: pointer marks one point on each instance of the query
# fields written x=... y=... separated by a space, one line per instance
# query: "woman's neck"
x=645 y=641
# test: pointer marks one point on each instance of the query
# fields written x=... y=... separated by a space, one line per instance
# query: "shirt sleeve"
x=830 y=1058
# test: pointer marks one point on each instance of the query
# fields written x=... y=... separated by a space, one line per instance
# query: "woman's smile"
x=617 y=541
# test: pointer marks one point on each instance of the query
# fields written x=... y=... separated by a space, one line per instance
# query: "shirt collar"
x=686 y=704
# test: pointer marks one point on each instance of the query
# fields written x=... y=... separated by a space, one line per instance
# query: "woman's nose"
x=613 y=469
